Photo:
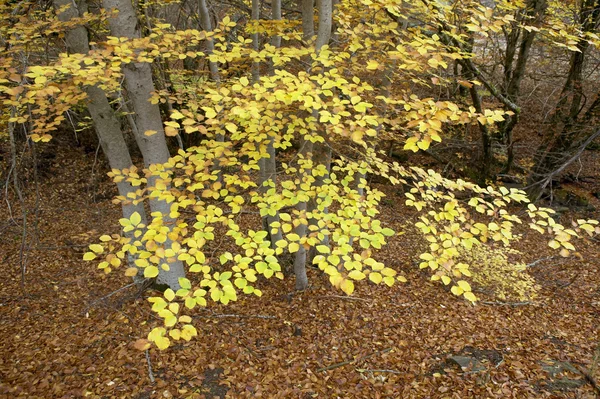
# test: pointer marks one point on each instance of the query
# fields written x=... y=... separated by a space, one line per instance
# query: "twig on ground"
x=532 y=264
x=240 y=316
x=150 y=374
x=378 y=371
x=358 y=359
x=347 y=298
x=507 y=303
x=108 y=295
x=571 y=281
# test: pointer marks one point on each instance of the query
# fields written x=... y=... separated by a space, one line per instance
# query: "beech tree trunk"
x=321 y=152
x=139 y=84
x=535 y=9
x=268 y=166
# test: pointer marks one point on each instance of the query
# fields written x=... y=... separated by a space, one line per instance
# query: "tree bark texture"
x=140 y=86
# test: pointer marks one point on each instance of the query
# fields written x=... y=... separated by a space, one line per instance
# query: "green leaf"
x=387 y=232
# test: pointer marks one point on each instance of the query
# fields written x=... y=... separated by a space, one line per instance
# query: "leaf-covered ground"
x=71 y=334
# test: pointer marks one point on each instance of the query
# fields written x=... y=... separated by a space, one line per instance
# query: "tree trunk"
x=321 y=151
x=139 y=84
x=535 y=9
x=308 y=19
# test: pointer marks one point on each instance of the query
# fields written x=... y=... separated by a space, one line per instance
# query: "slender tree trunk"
x=308 y=19
x=214 y=71
x=321 y=151
x=268 y=165
x=535 y=9
x=255 y=44
x=139 y=84
x=301 y=229
x=210 y=45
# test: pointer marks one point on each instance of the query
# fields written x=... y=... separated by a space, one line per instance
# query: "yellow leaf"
x=89 y=256
x=293 y=247
x=470 y=296
x=464 y=285
x=356 y=275
x=372 y=65
x=175 y=334
x=162 y=343
x=171 y=131
x=169 y=294
x=177 y=115
x=231 y=127
x=446 y=280
x=375 y=277
x=97 y=248
x=150 y=132
x=132 y=271
x=135 y=218
x=151 y=271
x=456 y=290
x=347 y=286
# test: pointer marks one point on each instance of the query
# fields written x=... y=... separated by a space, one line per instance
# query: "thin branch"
x=109 y=295
x=150 y=374
x=378 y=371
x=240 y=316
x=347 y=298
x=532 y=264
x=358 y=359
x=507 y=303
x=548 y=177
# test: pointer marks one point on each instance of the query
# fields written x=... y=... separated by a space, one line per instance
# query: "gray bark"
x=255 y=16
x=210 y=45
x=308 y=22
x=139 y=84
x=268 y=168
x=322 y=152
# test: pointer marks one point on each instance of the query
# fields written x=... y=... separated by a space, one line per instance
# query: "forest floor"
x=70 y=333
